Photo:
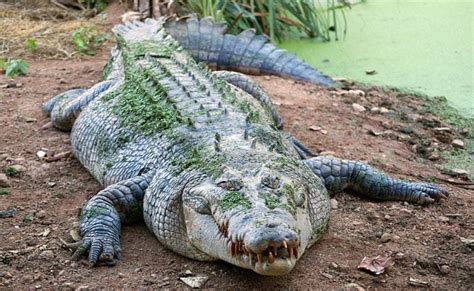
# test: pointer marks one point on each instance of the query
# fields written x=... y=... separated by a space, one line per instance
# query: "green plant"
x=94 y=4
x=16 y=67
x=11 y=172
x=87 y=40
x=276 y=18
x=30 y=45
x=4 y=191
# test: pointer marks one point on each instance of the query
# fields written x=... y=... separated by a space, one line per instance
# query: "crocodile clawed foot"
x=428 y=193
x=103 y=250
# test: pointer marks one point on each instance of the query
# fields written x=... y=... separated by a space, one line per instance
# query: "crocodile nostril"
x=272 y=224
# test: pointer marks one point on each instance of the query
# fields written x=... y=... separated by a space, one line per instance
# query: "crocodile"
x=202 y=158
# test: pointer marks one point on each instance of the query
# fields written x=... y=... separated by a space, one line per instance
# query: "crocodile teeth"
x=271 y=259
x=259 y=258
x=290 y=252
x=285 y=244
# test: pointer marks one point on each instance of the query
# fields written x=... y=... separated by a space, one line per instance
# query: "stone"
x=334 y=203
x=444 y=269
x=121 y=275
x=353 y=287
x=358 y=107
x=443 y=219
x=47 y=255
x=324 y=131
x=41 y=214
x=41 y=155
x=375 y=110
x=457 y=143
x=195 y=282
x=384 y=110
x=315 y=128
x=386 y=237
x=4 y=181
x=137 y=270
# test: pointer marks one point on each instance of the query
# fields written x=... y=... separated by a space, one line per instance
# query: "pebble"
x=46 y=255
x=41 y=154
x=324 y=131
x=358 y=107
x=4 y=181
x=374 y=109
x=444 y=269
x=386 y=237
x=41 y=214
x=315 y=128
x=443 y=219
x=353 y=287
x=334 y=203
x=137 y=270
x=195 y=282
x=384 y=110
x=121 y=275
x=457 y=143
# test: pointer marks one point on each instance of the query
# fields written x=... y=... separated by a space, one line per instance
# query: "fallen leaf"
x=375 y=265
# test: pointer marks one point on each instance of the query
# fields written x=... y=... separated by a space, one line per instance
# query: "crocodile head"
x=257 y=216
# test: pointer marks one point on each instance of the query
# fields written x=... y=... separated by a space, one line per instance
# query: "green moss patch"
x=234 y=199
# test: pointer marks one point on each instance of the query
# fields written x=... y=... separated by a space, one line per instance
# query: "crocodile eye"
x=271 y=181
x=232 y=184
x=199 y=204
x=300 y=199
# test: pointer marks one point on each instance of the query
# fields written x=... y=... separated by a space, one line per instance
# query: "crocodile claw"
x=102 y=249
x=428 y=193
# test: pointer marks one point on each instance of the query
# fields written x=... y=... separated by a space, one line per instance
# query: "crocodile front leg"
x=338 y=175
x=103 y=214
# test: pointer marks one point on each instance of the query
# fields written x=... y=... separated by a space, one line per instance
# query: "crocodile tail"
x=247 y=52
x=136 y=31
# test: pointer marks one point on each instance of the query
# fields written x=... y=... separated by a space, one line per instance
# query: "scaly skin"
x=201 y=160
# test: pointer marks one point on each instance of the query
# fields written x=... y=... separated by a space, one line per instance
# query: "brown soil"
x=425 y=241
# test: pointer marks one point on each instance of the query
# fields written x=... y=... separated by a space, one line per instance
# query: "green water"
x=426 y=46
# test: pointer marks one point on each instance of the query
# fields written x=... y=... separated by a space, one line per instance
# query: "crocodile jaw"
x=206 y=235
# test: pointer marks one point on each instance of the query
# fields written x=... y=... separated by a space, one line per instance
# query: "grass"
x=277 y=18
x=11 y=172
x=4 y=191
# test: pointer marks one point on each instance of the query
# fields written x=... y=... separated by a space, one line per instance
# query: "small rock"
x=353 y=287
x=468 y=242
x=51 y=184
x=334 y=203
x=267 y=77
x=121 y=275
x=374 y=133
x=41 y=154
x=384 y=110
x=370 y=72
x=356 y=92
x=195 y=282
x=386 y=237
x=137 y=270
x=416 y=282
x=399 y=256
x=457 y=173
x=7 y=213
x=315 y=128
x=324 y=131
x=440 y=129
x=4 y=181
x=82 y=287
x=374 y=109
x=457 y=143
x=358 y=107
x=41 y=214
x=443 y=219
x=444 y=269
x=46 y=255
x=434 y=156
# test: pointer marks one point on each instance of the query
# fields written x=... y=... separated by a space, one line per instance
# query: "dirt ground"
x=424 y=242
